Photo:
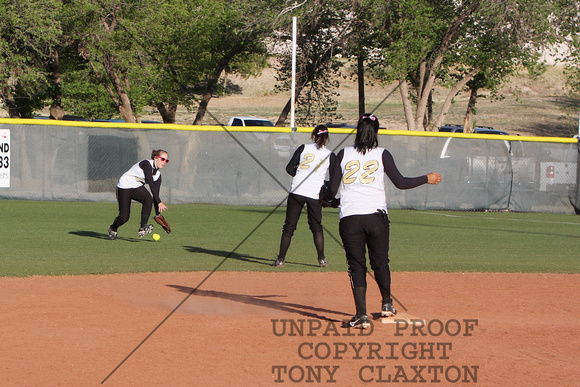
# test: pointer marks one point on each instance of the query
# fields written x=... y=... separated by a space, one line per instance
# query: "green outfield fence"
x=82 y=161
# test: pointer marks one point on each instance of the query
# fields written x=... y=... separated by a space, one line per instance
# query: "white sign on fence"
x=4 y=158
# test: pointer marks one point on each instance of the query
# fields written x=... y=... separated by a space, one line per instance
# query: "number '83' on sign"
x=4 y=158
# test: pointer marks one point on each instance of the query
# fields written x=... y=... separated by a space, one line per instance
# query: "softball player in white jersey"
x=364 y=224
x=131 y=186
x=308 y=166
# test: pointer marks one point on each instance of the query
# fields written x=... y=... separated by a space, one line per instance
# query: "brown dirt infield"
x=259 y=329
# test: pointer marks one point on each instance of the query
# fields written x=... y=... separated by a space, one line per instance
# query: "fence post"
x=577 y=198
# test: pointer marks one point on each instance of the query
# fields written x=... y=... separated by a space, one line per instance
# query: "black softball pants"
x=359 y=232
x=124 y=197
x=294 y=207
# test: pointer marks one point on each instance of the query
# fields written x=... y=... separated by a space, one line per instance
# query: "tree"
x=110 y=70
x=568 y=18
x=83 y=94
x=108 y=36
x=161 y=53
x=490 y=51
x=29 y=33
x=360 y=46
x=233 y=41
x=463 y=45
x=505 y=39
x=323 y=30
x=418 y=37
x=170 y=35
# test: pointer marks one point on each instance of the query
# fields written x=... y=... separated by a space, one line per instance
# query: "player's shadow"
x=237 y=256
x=264 y=301
x=98 y=235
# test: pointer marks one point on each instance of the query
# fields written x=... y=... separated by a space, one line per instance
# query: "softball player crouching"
x=131 y=186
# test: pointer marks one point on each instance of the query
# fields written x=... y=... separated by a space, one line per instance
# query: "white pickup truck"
x=249 y=121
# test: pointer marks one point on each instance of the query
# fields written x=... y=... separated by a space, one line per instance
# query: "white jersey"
x=135 y=176
x=311 y=171
x=362 y=185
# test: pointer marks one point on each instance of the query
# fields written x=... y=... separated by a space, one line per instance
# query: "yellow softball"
x=156 y=237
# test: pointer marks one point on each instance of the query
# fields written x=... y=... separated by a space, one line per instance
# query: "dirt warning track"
x=261 y=329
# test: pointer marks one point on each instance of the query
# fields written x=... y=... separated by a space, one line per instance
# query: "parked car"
x=477 y=129
x=77 y=118
x=249 y=121
x=341 y=125
x=120 y=120
x=66 y=117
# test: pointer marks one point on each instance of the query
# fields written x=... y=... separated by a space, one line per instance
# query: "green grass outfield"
x=70 y=238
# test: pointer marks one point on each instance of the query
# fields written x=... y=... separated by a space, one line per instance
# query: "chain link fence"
x=83 y=161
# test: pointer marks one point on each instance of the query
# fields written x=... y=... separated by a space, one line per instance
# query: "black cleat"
x=387 y=310
x=112 y=234
x=145 y=230
x=361 y=322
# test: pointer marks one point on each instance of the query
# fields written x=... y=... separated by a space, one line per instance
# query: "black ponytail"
x=320 y=135
x=366 y=133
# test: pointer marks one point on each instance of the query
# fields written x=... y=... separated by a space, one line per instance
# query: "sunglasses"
x=163 y=159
